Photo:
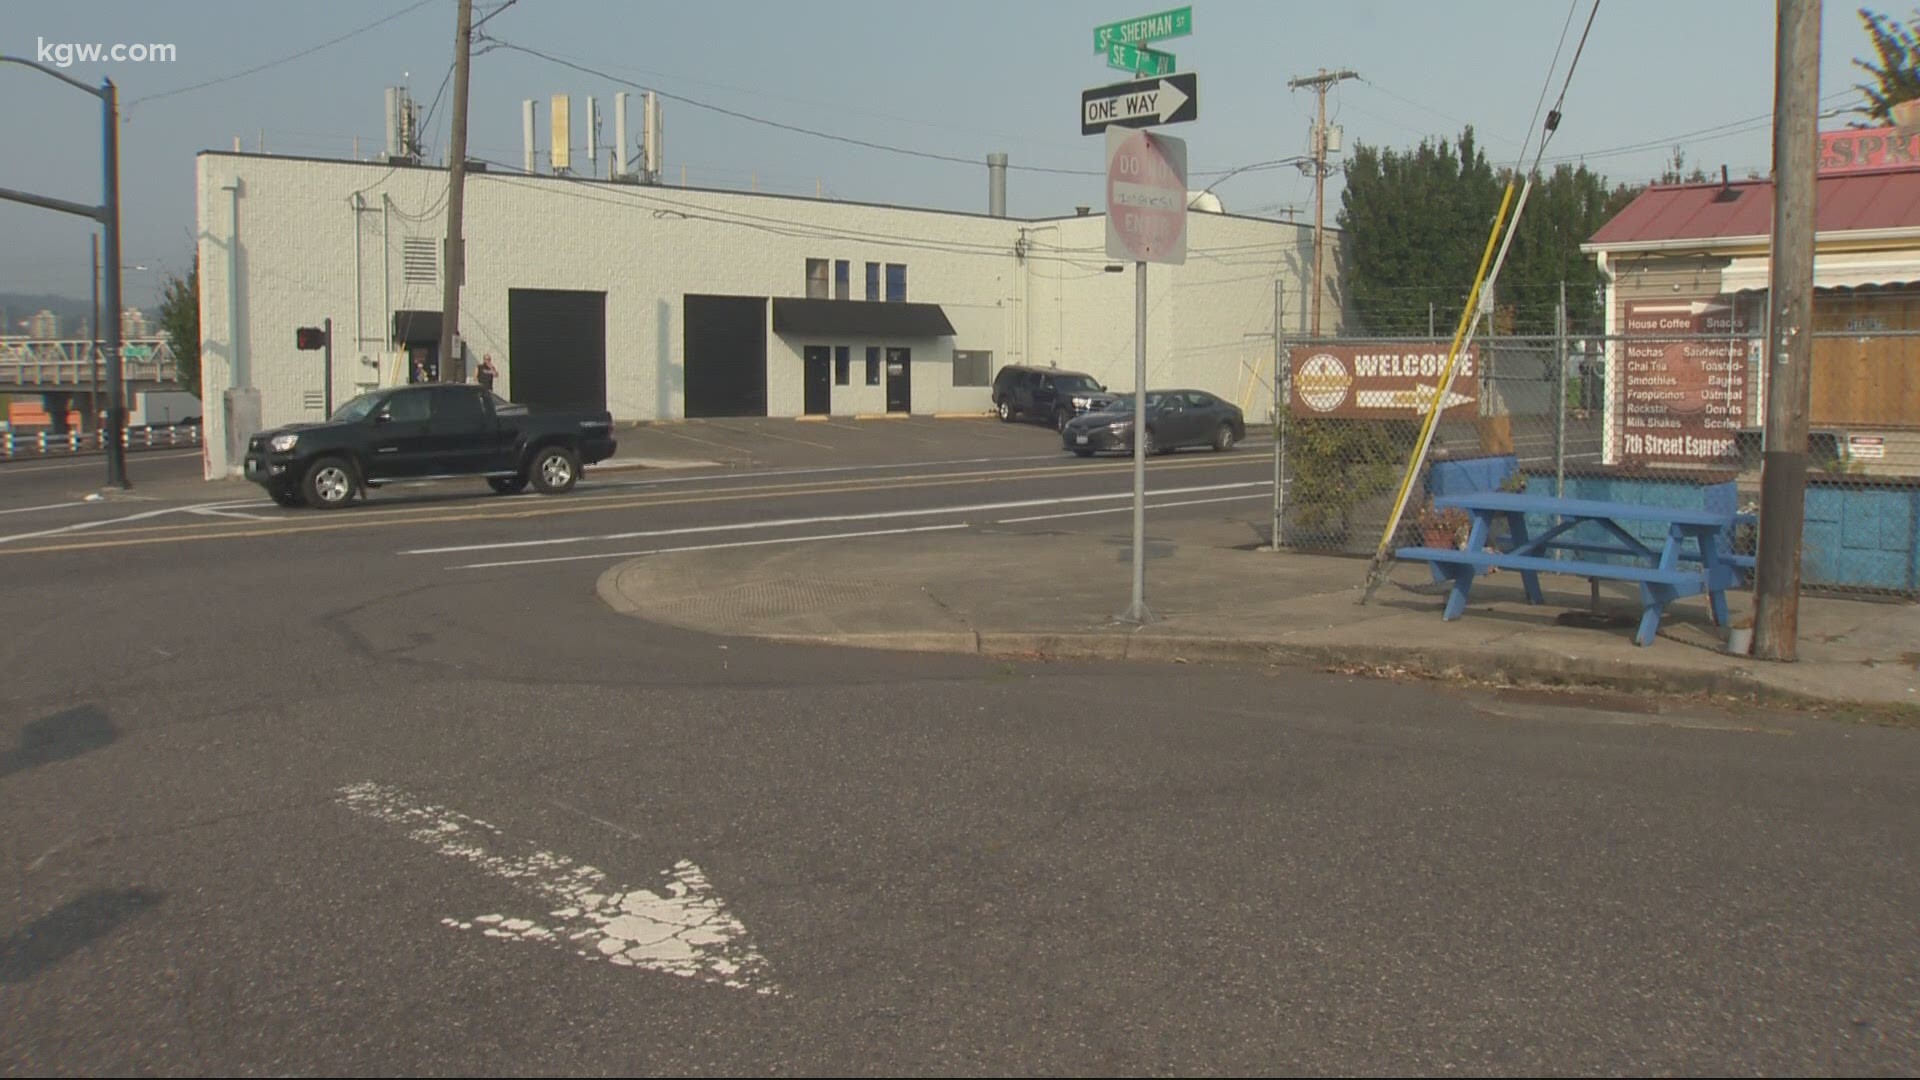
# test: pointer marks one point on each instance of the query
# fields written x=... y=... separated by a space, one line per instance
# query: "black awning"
x=859 y=318
x=416 y=327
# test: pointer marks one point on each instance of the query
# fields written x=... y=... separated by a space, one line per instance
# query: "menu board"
x=1683 y=394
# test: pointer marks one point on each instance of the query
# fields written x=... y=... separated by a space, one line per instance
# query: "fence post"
x=1560 y=409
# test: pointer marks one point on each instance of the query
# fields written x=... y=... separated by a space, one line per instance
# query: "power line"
x=849 y=140
x=283 y=60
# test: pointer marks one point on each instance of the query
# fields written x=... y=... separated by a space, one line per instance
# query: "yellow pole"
x=1439 y=398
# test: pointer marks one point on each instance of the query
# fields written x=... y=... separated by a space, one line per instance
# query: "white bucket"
x=1740 y=640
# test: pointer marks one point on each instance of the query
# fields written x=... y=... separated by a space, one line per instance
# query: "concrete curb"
x=1424 y=661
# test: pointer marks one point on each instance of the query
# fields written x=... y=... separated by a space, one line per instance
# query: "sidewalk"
x=1217 y=597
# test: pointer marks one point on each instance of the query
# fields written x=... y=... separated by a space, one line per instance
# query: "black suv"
x=431 y=432
x=1046 y=394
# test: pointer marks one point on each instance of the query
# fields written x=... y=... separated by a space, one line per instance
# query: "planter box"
x=1466 y=476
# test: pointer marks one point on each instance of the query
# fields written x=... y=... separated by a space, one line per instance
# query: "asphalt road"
x=312 y=793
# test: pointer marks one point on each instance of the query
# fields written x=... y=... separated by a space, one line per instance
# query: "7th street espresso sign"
x=1683 y=393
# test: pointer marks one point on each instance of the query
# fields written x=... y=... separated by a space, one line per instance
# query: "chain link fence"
x=1668 y=409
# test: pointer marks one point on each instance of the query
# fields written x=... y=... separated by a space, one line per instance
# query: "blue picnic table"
x=1664 y=575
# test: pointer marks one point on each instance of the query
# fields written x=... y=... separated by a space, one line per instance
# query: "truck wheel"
x=328 y=484
x=1006 y=413
x=508 y=485
x=555 y=470
x=1060 y=418
x=287 y=497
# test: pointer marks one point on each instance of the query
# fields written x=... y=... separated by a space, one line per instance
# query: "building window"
x=896 y=282
x=873 y=281
x=842 y=279
x=816 y=279
x=970 y=368
x=842 y=365
x=873 y=362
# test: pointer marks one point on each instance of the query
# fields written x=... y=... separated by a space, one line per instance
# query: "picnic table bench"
x=1663 y=575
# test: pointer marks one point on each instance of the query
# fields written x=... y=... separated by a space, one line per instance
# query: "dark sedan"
x=1175 y=418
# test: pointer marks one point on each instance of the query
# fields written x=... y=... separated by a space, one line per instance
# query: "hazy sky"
x=955 y=78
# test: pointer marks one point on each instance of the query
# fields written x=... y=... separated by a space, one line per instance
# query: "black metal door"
x=725 y=353
x=819 y=380
x=557 y=348
x=899 y=380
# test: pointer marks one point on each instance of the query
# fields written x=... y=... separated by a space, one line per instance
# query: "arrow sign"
x=1419 y=398
x=679 y=926
x=1173 y=99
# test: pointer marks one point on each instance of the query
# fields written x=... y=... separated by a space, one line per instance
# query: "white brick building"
x=664 y=302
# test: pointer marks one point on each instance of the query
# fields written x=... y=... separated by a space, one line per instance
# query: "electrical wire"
x=971 y=162
x=309 y=51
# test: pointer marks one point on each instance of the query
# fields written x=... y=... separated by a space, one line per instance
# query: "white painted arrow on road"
x=1163 y=102
x=680 y=928
x=1420 y=397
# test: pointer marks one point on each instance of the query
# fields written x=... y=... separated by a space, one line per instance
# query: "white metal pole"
x=1137 y=611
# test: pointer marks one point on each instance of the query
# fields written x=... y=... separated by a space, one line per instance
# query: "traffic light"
x=310 y=337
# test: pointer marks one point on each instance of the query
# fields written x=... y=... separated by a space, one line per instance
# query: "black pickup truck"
x=433 y=432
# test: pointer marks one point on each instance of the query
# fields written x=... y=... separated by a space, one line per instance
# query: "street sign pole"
x=1137 y=612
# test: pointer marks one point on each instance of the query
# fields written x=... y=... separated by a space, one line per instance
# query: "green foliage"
x=1336 y=464
x=180 y=321
x=1417 y=223
x=1896 y=74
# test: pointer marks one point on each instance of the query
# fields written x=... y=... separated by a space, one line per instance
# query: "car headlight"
x=1120 y=425
x=1081 y=403
x=283 y=443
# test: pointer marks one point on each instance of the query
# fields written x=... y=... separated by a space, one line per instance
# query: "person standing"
x=487 y=373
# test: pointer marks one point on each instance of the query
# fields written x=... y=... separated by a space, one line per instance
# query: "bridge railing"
x=41 y=443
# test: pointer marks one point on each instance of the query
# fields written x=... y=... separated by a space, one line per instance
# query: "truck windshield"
x=356 y=409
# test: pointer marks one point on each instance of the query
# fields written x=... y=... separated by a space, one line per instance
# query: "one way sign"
x=1169 y=99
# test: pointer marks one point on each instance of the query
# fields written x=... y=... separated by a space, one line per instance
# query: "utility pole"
x=454 y=259
x=95 y=405
x=1320 y=83
x=1783 y=479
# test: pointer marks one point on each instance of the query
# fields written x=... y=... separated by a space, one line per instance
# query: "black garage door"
x=726 y=355
x=557 y=348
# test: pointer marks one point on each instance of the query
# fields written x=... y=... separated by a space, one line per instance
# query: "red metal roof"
x=1888 y=199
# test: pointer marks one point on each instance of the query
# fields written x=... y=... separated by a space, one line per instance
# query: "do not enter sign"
x=1146 y=196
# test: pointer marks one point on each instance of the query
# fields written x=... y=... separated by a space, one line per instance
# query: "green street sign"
x=1145 y=29
x=137 y=352
x=1140 y=61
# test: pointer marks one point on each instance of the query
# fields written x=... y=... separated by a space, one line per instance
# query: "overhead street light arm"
x=48 y=202
x=96 y=91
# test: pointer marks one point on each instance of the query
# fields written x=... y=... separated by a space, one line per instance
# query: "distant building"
x=133 y=324
x=44 y=325
x=659 y=303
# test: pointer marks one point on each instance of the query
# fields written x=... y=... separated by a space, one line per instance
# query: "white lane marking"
x=828 y=519
x=49 y=506
x=208 y=511
x=97 y=463
x=760 y=474
x=706 y=547
x=84 y=525
x=679 y=927
x=1127 y=509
